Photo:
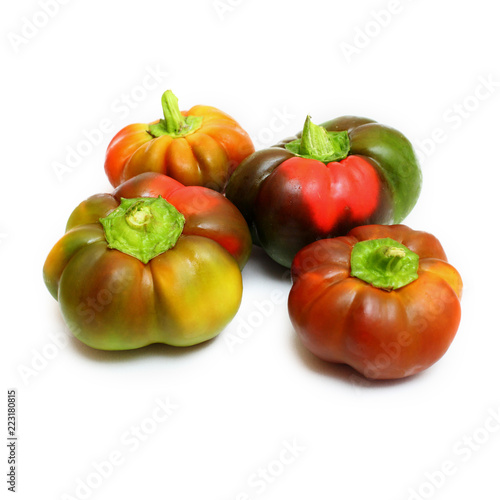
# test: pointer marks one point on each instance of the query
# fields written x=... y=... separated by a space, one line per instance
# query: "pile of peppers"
x=159 y=259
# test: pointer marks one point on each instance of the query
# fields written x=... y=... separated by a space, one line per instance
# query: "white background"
x=421 y=68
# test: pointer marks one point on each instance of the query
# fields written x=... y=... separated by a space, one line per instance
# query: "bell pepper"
x=382 y=299
x=199 y=147
x=320 y=184
x=154 y=262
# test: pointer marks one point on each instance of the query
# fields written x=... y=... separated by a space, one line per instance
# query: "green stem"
x=143 y=227
x=138 y=216
x=387 y=259
x=174 y=123
x=384 y=263
x=319 y=144
x=315 y=141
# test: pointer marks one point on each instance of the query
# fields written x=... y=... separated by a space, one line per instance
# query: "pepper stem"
x=319 y=144
x=315 y=140
x=138 y=216
x=174 y=123
x=384 y=263
x=143 y=227
x=387 y=259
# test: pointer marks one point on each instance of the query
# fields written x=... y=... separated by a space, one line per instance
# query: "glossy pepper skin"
x=290 y=201
x=382 y=333
x=199 y=147
x=112 y=300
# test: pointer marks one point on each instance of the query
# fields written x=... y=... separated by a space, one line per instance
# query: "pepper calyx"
x=384 y=263
x=143 y=227
x=319 y=144
x=174 y=123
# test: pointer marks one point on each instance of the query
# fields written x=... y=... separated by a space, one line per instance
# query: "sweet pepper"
x=323 y=182
x=154 y=262
x=199 y=147
x=382 y=299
